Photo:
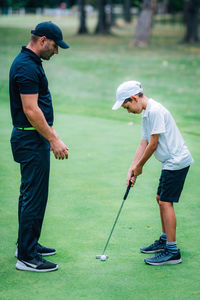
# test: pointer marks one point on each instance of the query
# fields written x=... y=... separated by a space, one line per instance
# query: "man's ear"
x=42 y=40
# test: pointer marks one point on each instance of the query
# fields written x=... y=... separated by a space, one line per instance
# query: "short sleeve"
x=157 y=122
x=144 y=130
x=27 y=81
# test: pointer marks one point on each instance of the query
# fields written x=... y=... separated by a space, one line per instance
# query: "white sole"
x=149 y=252
x=47 y=254
x=170 y=262
x=22 y=267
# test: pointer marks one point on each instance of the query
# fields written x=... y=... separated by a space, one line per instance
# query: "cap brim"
x=62 y=44
x=117 y=105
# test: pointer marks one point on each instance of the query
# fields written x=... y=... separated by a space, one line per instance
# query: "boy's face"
x=134 y=106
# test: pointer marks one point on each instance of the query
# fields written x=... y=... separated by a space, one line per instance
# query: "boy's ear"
x=135 y=98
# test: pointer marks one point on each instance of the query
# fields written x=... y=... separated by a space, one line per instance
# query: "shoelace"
x=157 y=242
x=161 y=253
x=39 y=257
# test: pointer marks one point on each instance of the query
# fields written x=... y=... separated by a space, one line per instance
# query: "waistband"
x=28 y=128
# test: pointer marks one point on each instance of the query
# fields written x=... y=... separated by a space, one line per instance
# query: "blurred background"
x=156 y=43
x=108 y=11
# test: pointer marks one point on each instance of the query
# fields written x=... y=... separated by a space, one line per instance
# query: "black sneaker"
x=157 y=246
x=37 y=264
x=45 y=251
x=41 y=251
x=164 y=258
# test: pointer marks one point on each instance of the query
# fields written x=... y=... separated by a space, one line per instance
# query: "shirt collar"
x=34 y=56
x=146 y=111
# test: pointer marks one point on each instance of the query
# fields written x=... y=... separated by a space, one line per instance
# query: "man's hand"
x=59 y=149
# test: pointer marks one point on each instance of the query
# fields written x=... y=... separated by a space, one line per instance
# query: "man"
x=161 y=137
x=32 y=138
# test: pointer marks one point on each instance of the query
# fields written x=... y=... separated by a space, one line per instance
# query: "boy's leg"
x=170 y=188
x=161 y=215
x=168 y=218
x=159 y=244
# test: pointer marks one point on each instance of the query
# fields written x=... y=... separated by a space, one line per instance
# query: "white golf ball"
x=103 y=257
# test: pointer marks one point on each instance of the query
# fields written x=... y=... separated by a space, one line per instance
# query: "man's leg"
x=33 y=153
x=34 y=190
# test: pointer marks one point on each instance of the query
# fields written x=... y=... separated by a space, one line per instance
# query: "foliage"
x=175 y=6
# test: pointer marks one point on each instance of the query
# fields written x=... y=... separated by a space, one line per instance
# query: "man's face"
x=134 y=106
x=49 y=48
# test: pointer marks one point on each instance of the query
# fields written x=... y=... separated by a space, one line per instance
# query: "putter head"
x=102 y=257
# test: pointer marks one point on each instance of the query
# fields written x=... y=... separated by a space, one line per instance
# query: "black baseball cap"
x=51 y=31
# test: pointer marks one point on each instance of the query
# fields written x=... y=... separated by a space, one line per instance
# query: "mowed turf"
x=86 y=191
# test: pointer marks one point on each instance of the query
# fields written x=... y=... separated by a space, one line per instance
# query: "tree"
x=162 y=6
x=111 y=17
x=103 y=26
x=127 y=11
x=82 y=27
x=191 y=17
x=145 y=22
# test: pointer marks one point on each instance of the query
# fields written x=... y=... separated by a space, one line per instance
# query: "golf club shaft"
x=125 y=196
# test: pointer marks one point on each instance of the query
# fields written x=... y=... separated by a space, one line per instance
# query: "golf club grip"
x=127 y=190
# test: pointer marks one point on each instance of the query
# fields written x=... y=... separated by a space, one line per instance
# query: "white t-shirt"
x=171 y=150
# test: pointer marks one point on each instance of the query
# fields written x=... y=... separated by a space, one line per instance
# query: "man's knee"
x=158 y=198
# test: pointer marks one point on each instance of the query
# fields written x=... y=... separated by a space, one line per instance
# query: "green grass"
x=86 y=191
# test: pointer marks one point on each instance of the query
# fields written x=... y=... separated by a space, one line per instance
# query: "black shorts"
x=171 y=184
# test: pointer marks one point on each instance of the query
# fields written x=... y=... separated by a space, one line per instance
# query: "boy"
x=161 y=137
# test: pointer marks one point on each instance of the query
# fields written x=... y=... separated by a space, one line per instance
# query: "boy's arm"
x=149 y=150
x=139 y=153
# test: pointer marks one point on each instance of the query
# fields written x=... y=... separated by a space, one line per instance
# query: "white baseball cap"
x=125 y=91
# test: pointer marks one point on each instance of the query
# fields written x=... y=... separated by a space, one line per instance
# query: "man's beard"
x=46 y=57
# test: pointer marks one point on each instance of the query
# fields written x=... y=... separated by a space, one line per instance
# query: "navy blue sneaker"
x=164 y=258
x=44 y=251
x=157 y=246
x=41 y=250
x=37 y=264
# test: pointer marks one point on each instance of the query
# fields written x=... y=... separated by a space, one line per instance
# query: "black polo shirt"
x=27 y=76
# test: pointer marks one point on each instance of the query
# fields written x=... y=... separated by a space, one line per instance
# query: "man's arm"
x=38 y=121
x=149 y=150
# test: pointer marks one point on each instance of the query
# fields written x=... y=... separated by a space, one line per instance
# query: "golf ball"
x=103 y=257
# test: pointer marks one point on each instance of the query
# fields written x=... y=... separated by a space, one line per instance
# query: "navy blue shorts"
x=171 y=184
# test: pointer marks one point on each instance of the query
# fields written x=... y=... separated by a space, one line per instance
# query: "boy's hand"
x=130 y=177
x=137 y=171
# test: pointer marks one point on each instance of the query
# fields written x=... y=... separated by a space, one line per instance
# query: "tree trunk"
x=191 y=16
x=127 y=11
x=82 y=27
x=102 y=24
x=111 y=17
x=162 y=7
x=145 y=22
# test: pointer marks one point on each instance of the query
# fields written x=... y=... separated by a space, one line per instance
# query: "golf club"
x=103 y=257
